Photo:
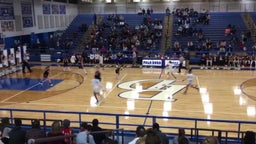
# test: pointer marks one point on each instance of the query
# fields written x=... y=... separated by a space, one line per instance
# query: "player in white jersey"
x=170 y=69
x=97 y=88
x=190 y=79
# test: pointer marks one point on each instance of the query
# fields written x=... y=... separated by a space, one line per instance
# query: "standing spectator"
x=25 y=63
x=134 y=58
x=83 y=137
x=164 y=139
x=55 y=131
x=140 y=132
x=73 y=59
x=98 y=137
x=181 y=60
x=66 y=130
x=17 y=134
x=35 y=132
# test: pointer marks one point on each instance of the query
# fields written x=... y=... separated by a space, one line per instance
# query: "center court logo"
x=150 y=89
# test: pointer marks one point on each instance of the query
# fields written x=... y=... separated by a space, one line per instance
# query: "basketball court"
x=142 y=91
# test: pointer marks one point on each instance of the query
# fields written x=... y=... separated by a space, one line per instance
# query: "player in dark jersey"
x=46 y=76
x=97 y=73
x=118 y=69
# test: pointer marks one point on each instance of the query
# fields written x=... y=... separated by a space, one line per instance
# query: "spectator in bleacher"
x=167 y=11
x=5 y=123
x=249 y=137
x=4 y=130
x=56 y=131
x=17 y=134
x=208 y=18
x=181 y=137
x=143 y=11
x=156 y=128
x=140 y=132
x=66 y=130
x=98 y=137
x=210 y=140
x=148 y=11
x=83 y=137
x=153 y=137
x=139 y=11
x=35 y=132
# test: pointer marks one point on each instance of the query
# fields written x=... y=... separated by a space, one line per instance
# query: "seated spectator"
x=249 y=137
x=210 y=140
x=181 y=138
x=153 y=138
x=83 y=137
x=17 y=134
x=164 y=139
x=35 y=131
x=140 y=132
x=4 y=130
x=55 y=131
x=98 y=137
x=66 y=130
x=5 y=123
x=227 y=31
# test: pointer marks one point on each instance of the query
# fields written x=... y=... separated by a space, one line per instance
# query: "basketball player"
x=170 y=69
x=101 y=58
x=65 y=64
x=118 y=69
x=98 y=73
x=97 y=87
x=190 y=79
x=46 y=76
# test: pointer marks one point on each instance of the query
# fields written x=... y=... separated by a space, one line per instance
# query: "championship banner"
x=7 y=26
x=26 y=8
x=55 y=9
x=6 y=11
x=27 y=16
x=27 y=22
x=46 y=9
x=62 y=9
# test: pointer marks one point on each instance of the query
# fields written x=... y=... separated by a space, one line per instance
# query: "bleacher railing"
x=118 y=123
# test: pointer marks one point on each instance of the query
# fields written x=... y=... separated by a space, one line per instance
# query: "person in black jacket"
x=164 y=139
x=98 y=137
x=17 y=134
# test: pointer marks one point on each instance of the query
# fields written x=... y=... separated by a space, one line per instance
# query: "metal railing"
x=117 y=122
